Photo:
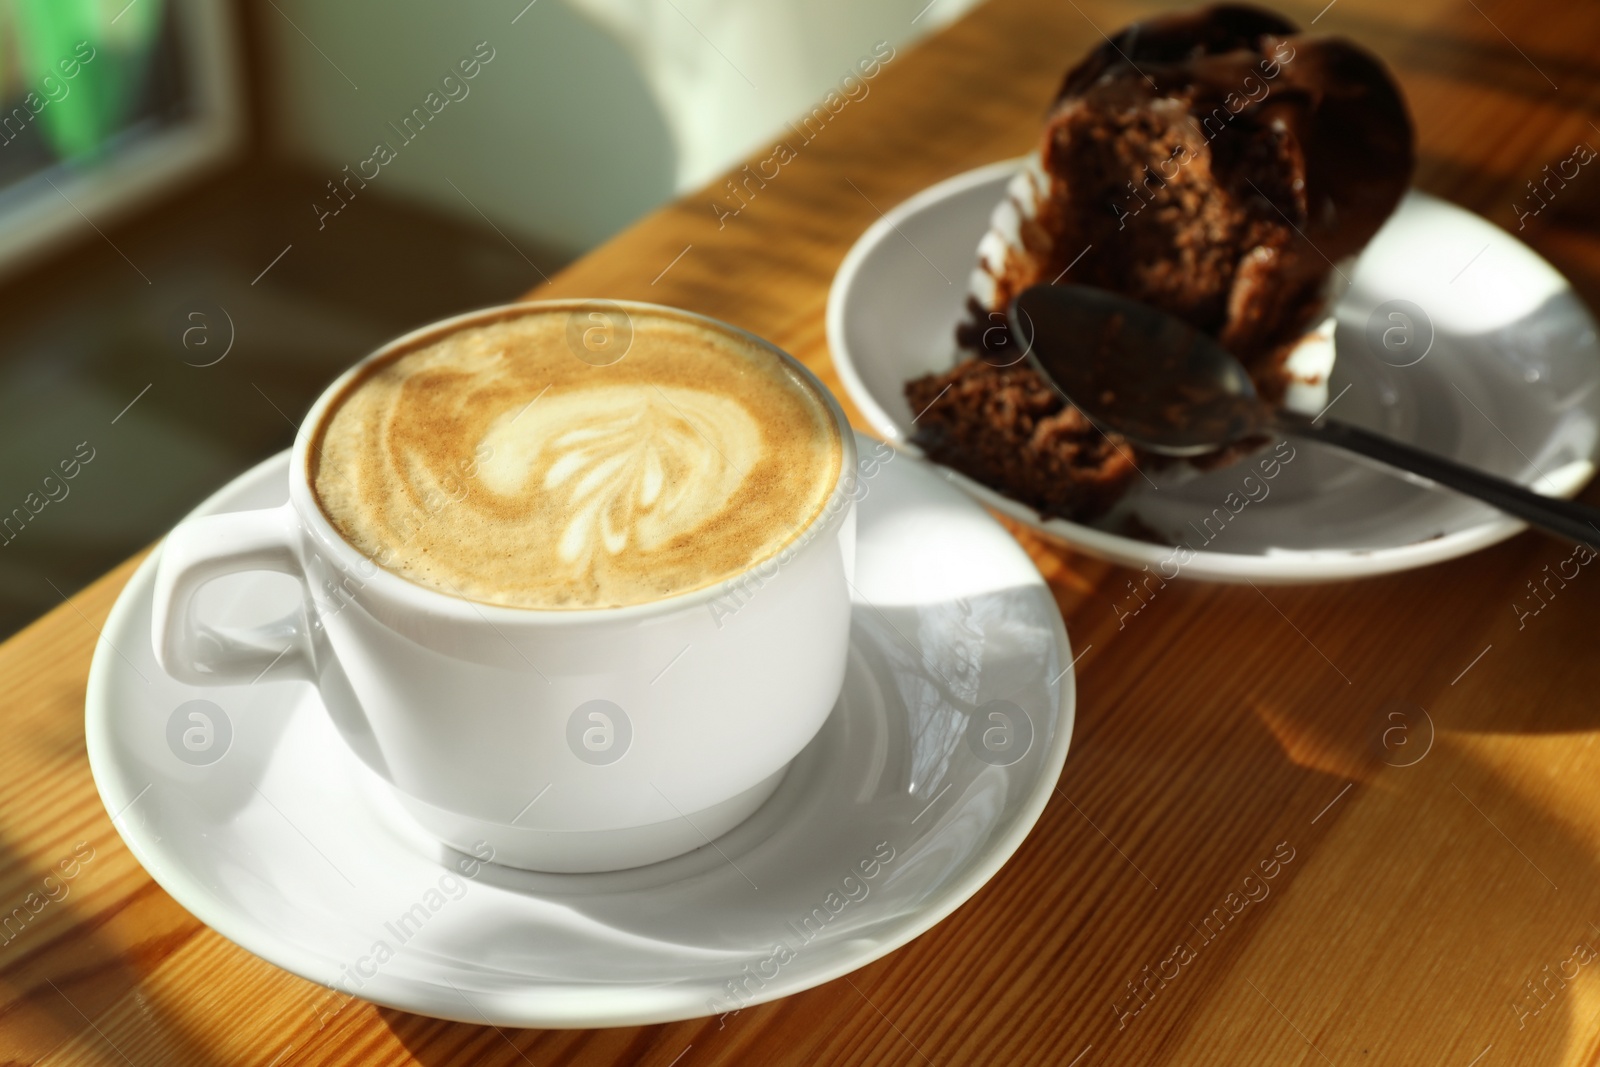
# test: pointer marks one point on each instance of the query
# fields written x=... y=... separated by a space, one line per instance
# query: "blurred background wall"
x=591 y=113
x=189 y=250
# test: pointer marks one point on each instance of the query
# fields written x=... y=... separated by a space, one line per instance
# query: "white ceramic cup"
x=569 y=740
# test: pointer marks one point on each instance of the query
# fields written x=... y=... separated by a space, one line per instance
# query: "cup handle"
x=200 y=550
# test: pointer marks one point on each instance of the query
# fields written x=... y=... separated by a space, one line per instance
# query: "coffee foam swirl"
x=493 y=464
x=632 y=466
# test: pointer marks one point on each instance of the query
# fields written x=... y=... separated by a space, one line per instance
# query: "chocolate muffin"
x=1215 y=164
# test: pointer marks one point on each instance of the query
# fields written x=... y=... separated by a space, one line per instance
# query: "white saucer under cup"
x=1453 y=336
x=941 y=753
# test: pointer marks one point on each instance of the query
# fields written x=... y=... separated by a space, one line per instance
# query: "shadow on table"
x=436 y=1043
x=1430 y=769
x=61 y=975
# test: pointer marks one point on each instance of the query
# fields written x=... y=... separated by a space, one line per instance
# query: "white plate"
x=286 y=845
x=1511 y=385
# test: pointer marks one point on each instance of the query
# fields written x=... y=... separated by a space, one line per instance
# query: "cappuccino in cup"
x=497 y=464
x=517 y=532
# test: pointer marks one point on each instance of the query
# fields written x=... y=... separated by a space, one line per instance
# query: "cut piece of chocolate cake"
x=1214 y=164
x=1010 y=431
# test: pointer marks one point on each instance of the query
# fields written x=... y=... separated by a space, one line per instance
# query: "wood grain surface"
x=1222 y=728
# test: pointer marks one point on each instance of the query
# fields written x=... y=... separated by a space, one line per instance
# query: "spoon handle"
x=1574 y=521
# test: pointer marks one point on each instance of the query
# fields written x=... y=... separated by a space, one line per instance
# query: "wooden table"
x=1224 y=727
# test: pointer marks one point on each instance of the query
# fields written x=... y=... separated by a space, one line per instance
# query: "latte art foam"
x=633 y=466
x=494 y=465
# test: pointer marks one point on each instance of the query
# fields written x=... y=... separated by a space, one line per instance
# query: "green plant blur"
x=38 y=36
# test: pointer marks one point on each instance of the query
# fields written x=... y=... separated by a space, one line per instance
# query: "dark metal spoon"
x=1171 y=389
